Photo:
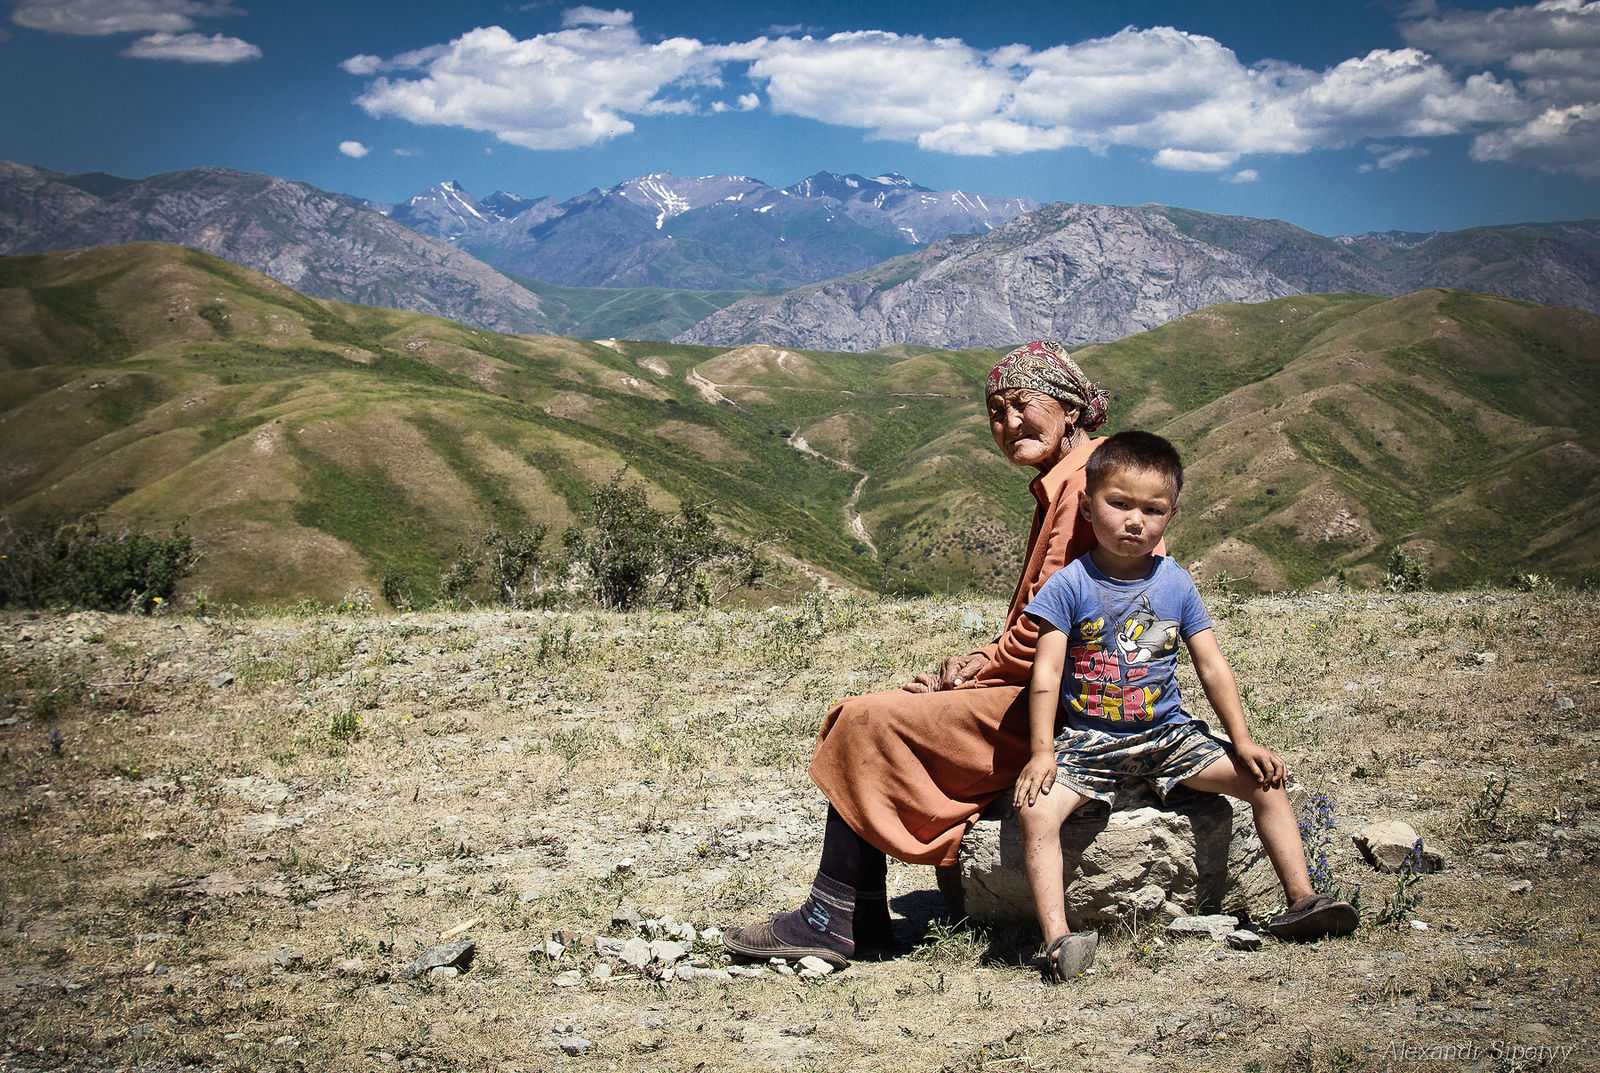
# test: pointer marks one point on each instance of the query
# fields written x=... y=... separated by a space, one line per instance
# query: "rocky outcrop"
x=1084 y=273
x=321 y=244
x=1142 y=860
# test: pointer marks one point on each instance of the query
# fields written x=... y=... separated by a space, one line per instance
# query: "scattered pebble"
x=458 y=954
x=1243 y=939
x=1216 y=925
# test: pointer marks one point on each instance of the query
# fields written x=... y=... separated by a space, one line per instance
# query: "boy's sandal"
x=1314 y=917
x=1070 y=956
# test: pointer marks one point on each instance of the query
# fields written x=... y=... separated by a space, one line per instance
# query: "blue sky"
x=1340 y=117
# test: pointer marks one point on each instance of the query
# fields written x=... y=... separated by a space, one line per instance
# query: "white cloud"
x=1488 y=38
x=355 y=150
x=560 y=90
x=1558 y=139
x=747 y=102
x=362 y=66
x=1553 y=49
x=101 y=17
x=1390 y=158
x=192 y=48
x=1191 y=160
x=1184 y=97
x=594 y=16
x=1244 y=175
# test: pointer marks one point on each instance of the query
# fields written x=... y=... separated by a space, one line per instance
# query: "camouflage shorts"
x=1093 y=762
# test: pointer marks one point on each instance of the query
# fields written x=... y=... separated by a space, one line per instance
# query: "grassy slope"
x=628 y=312
x=1323 y=430
x=317 y=447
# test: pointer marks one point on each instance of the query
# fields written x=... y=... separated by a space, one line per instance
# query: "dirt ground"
x=225 y=838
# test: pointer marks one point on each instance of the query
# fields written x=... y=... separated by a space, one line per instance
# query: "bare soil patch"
x=224 y=838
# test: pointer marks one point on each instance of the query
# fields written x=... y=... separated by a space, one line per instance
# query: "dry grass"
x=230 y=876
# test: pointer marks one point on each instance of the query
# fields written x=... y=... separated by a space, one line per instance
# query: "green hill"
x=316 y=448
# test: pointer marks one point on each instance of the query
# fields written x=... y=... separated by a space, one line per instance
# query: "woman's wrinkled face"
x=1029 y=427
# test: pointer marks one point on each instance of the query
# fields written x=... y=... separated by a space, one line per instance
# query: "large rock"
x=1198 y=853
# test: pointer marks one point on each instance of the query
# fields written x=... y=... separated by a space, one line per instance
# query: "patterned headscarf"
x=1044 y=366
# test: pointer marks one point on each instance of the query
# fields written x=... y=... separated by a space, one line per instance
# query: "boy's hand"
x=1267 y=766
x=1037 y=777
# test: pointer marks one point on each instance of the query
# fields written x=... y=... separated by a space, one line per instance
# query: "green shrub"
x=76 y=564
x=504 y=567
x=630 y=554
x=1405 y=572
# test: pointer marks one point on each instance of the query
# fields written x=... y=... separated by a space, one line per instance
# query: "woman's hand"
x=1036 y=778
x=952 y=672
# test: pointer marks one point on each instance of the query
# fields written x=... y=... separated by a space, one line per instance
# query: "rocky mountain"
x=1082 y=273
x=445 y=210
x=715 y=232
x=322 y=244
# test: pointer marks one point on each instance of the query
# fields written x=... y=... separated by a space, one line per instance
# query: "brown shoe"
x=756 y=942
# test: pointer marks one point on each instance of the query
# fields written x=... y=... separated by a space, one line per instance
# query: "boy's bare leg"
x=1275 y=821
x=1041 y=855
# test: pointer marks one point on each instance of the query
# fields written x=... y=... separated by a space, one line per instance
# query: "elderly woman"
x=905 y=770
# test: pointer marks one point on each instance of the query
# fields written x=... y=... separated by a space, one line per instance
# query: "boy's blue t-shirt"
x=1122 y=642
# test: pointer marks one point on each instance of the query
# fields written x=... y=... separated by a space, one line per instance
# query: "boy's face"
x=1129 y=512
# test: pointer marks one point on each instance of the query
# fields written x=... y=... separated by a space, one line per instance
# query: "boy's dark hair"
x=1134 y=449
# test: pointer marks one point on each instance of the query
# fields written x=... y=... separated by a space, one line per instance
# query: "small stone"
x=783 y=969
x=444 y=972
x=1564 y=704
x=752 y=972
x=288 y=957
x=624 y=865
x=635 y=952
x=694 y=972
x=286 y=1042
x=570 y=978
x=223 y=679
x=1240 y=939
x=1388 y=843
x=458 y=954
x=1216 y=925
x=607 y=947
x=687 y=933
x=528 y=896
x=625 y=918
x=712 y=935
x=350 y=967
x=1418 y=925
x=667 y=951
x=574 y=1045
x=816 y=965
x=554 y=950
x=600 y=973
x=1521 y=886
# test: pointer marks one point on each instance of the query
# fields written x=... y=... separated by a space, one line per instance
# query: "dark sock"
x=849 y=902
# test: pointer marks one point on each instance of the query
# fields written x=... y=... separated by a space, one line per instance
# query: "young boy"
x=1109 y=629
